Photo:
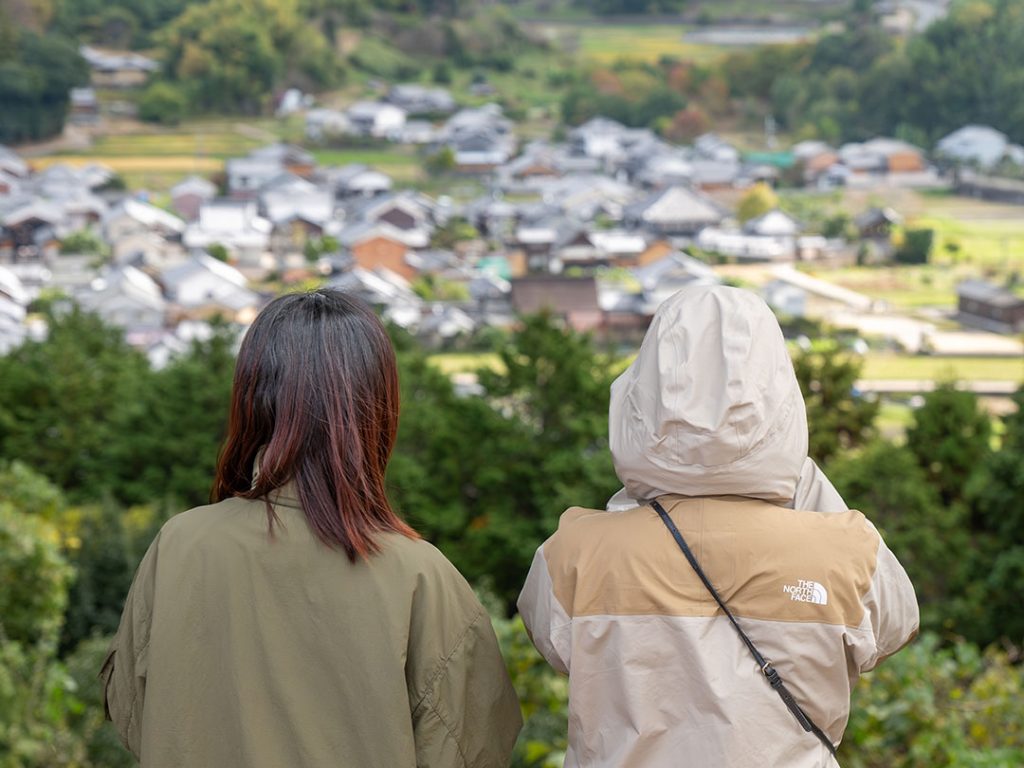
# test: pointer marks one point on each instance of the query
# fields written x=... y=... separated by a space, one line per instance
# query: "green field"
x=986 y=243
x=606 y=43
x=893 y=419
x=924 y=368
x=779 y=11
x=402 y=164
x=905 y=287
x=877 y=366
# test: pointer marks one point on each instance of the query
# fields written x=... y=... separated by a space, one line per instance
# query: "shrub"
x=33 y=578
x=935 y=707
x=163 y=103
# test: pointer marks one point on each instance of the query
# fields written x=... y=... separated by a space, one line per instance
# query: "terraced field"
x=606 y=43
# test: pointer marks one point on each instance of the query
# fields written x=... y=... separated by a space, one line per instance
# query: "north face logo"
x=807 y=592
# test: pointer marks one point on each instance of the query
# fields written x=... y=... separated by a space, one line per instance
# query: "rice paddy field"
x=608 y=43
x=156 y=159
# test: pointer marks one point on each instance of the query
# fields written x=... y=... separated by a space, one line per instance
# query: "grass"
x=876 y=366
x=986 y=243
x=894 y=419
x=924 y=368
x=198 y=143
x=784 y=11
x=398 y=163
x=462 y=362
x=607 y=43
x=906 y=287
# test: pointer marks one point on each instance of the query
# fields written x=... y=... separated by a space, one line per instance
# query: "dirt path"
x=75 y=138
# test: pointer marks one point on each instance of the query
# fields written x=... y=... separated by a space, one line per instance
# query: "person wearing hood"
x=708 y=434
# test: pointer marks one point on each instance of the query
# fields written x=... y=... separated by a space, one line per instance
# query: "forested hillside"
x=848 y=85
x=232 y=56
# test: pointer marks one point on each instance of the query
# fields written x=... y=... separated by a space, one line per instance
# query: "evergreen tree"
x=950 y=438
x=837 y=417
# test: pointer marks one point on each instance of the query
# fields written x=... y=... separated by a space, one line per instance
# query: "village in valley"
x=515 y=187
x=596 y=223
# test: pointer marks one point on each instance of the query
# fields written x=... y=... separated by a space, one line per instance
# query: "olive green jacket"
x=241 y=648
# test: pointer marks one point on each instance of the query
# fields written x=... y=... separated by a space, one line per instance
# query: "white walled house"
x=234 y=224
x=128 y=298
x=375 y=118
x=132 y=216
x=204 y=283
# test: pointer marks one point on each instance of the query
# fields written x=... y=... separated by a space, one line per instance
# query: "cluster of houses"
x=599 y=229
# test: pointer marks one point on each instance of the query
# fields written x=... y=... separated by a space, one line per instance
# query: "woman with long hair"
x=297 y=620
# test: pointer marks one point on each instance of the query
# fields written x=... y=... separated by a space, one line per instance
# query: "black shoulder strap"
x=766 y=666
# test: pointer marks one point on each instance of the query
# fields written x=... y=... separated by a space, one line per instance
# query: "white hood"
x=711 y=407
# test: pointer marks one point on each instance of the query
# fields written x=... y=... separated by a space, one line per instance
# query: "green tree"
x=486 y=477
x=104 y=545
x=103 y=748
x=29 y=492
x=950 y=438
x=441 y=162
x=446 y=476
x=995 y=493
x=837 y=417
x=943 y=707
x=84 y=241
x=165 y=441
x=456 y=230
x=543 y=696
x=885 y=482
x=916 y=246
x=163 y=103
x=34 y=576
x=58 y=397
x=757 y=201
x=37 y=706
x=36 y=76
x=230 y=54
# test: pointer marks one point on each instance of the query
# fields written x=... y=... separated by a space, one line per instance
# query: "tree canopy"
x=36 y=74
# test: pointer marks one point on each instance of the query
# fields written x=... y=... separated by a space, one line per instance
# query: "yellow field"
x=465 y=362
x=606 y=43
x=134 y=165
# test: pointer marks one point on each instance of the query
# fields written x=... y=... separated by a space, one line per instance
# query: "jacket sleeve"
x=123 y=675
x=546 y=620
x=891 y=608
x=465 y=713
x=469 y=715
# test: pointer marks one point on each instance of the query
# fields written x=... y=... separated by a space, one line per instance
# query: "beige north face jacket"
x=709 y=419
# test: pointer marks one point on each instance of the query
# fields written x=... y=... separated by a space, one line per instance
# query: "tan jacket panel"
x=759 y=555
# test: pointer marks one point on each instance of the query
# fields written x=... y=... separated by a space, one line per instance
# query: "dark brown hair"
x=315 y=400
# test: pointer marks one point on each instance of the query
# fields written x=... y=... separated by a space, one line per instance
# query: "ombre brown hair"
x=315 y=400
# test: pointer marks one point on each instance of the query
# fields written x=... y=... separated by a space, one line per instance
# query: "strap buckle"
x=766 y=668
